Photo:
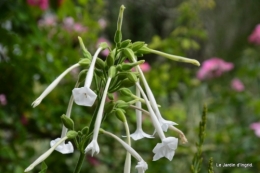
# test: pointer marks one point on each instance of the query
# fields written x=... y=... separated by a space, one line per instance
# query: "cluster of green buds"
x=115 y=74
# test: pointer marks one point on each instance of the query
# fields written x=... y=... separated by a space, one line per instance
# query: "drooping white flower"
x=62 y=148
x=84 y=96
x=152 y=114
x=52 y=85
x=139 y=133
x=93 y=145
x=166 y=148
x=141 y=166
x=164 y=123
x=45 y=155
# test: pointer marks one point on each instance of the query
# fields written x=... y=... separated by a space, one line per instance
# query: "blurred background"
x=38 y=41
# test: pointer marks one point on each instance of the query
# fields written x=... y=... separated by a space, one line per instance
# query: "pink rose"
x=213 y=67
x=256 y=128
x=237 y=85
x=43 y=4
x=255 y=36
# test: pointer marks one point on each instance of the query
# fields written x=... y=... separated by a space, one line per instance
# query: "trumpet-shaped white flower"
x=45 y=155
x=164 y=123
x=152 y=114
x=63 y=148
x=84 y=96
x=141 y=166
x=139 y=133
x=93 y=146
x=166 y=148
x=52 y=85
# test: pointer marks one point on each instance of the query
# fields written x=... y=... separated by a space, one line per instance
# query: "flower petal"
x=141 y=166
x=63 y=148
x=139 y=134
x=84 y=96
x=93 y=145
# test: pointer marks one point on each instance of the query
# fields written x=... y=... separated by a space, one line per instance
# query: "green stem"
x=80 y=161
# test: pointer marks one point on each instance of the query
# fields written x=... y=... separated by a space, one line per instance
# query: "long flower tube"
x=65 y=148
x=127 y=167
x=142 y=165
x=164 y=123
x=45 y=155
x=168 y=146
x=84 y=96
x=53 y=85
x=139 y=133
x=93 y=145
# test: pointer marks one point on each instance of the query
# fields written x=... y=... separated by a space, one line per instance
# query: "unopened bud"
x=84 y=62
x=125 y=43
x=100 y=64
x=120 y=115
x=72 y=134
x=137 y=45
x=67 y=122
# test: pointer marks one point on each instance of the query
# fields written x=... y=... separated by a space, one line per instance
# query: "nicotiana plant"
x=117 y=73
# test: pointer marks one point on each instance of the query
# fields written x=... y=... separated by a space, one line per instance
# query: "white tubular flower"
x=141 y=166
x=52 y=85
x=45 y=155
x=166 y=148
x=127 y=166
x=84 y=96
x=164 y=123
x=183 y=138
x=62 y=147
x=152 y=114
x=93 y=144
x=139 y=133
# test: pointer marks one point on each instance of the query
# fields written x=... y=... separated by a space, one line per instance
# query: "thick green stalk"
x=80 y=162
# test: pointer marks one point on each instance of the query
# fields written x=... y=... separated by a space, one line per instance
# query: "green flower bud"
x=104 y=45
x=129 y=53
x=112 y=71
x=86 y=53
x=137 y=45
x=126 y=91
x=72 y=134
x=84 y=62
x=100 y=64
x=144 y=50
x=129 y=66
x=127 y=83
x=110 y=59
x=125 y=43
x=110 y=96
x=121 y=104
x=120 y=115
x=132 y=77
x=67 y=122
x=118 y=37
x=84 y=130
x=99 y=73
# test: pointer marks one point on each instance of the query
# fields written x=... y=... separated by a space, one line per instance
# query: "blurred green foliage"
x=33 y=55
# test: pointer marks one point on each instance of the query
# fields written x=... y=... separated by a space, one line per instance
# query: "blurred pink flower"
x=93 y=160
x=70 y=25
x=145 y=67
x=106 y=51
x=43 y=4
x=255 y=36
x=102 y=23
x=213 y=67
x=256 y=128
x=3 y=100
x=47 y=21
x=237 y=85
